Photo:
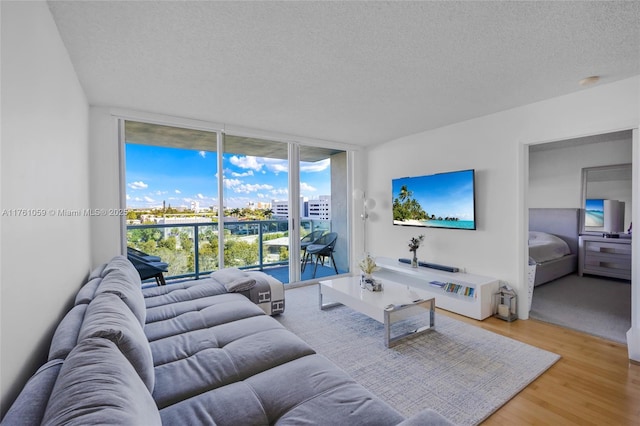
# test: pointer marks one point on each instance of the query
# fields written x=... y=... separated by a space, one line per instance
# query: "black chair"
x=323 y=247
x=145 y=256
x=307 y=240
x=147 y=266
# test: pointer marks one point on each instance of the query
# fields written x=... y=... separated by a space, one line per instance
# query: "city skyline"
x=155 y=174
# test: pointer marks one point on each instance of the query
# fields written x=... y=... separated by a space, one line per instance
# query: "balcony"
x=191 y=249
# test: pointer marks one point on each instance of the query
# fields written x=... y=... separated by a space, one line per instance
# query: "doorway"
x=555 y=181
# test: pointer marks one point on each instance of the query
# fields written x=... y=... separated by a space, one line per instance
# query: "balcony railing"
x=191 y=249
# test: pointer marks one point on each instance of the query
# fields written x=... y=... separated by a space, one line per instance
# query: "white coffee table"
x=395 y=303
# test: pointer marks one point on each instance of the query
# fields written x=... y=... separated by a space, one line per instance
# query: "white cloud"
x=250 y=188
x=258 y=164
x=280 y=191
x=138 y=185
x=231 y=183
x=149 y=200
x=306 y=187
x=318 y=166
x=200 y=196
x=276 y=166
x=128 y=197
x=248 y=162
x=178 y=191
x=245 y=174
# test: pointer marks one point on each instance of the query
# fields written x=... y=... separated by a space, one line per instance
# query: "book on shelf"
x=459 y=289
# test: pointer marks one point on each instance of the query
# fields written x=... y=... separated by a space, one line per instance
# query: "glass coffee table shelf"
x=397 y=306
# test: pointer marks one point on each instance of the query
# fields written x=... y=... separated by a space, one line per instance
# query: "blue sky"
x=180 y=176
x=443 y=194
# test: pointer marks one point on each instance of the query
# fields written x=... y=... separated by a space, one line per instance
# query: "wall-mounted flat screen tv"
x=443 y=200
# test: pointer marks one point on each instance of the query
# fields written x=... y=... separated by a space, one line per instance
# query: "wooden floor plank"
x=592 y=384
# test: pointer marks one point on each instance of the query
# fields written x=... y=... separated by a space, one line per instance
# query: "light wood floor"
x=592 y=384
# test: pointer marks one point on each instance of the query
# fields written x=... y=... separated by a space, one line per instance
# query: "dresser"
x=607 y=257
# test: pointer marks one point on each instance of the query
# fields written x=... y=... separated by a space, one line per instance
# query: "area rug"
x=461 y=371
x=601 y=307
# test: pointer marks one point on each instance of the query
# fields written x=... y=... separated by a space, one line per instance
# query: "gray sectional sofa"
x=193 y=354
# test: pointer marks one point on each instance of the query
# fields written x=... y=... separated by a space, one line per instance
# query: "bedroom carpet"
x=597 y=306
x=463 y=372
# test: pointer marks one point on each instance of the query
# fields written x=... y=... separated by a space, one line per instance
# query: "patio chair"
x=307 y=240
x=323 y=247
x=145 y=256
x=148 y=268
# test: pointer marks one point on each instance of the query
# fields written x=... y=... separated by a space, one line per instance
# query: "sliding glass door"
x=323 y=213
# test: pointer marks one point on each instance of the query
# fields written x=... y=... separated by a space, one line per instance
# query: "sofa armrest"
x=426 y=417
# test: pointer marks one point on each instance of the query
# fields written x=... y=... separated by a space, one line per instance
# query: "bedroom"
x=599 y=305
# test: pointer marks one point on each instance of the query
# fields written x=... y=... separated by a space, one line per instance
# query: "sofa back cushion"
x=97 y=272
x=66 y=334
x=28 y=409
x=122 y=279
x=97 y=385
x=87 y=291
x=108 y=317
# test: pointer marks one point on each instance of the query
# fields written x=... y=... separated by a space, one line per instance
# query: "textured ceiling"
x=355 y=72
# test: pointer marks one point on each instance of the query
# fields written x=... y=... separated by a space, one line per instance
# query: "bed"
x=553 y=242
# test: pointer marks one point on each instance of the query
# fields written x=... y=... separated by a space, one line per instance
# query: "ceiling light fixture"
x=590 y=80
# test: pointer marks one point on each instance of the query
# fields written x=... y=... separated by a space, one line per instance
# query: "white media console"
x=465 y=294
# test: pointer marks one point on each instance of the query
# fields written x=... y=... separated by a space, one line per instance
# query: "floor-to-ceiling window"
x=171 y=195
x=200 y=201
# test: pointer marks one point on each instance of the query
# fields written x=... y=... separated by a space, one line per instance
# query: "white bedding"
x=544 y=247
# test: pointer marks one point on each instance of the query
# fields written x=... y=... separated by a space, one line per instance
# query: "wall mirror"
x=606 y=199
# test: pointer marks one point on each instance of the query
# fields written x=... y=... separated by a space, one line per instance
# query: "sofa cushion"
x=184 y=345
x=108 y=317
x=308 y=390
x=122 y=279
x=97 y=385
x=180 y=292
x=314 y=387
x=66 y=334
x=87 y=291
x=198 y=314
x=211 y=368
x=231 y=405
x=97 y=272
x=28 y=409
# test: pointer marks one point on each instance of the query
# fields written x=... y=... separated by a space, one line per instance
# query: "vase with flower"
x=414 y=245
x=367 y=266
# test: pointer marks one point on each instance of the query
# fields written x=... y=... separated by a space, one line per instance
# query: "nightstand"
x=607 y=257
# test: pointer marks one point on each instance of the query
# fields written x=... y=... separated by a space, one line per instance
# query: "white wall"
x=555 y=175
x=44 y=166
x=493 y=146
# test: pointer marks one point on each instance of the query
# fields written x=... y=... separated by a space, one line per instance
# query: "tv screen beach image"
x=444 y=200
